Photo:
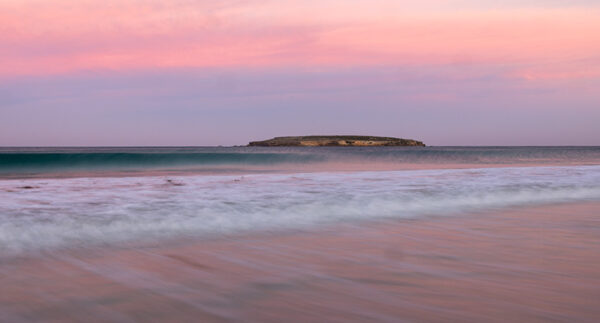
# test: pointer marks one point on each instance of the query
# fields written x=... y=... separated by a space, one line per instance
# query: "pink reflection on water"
x=330 y=166
x=528 y=264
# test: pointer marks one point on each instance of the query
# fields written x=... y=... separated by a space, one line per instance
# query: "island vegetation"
x=312 y=141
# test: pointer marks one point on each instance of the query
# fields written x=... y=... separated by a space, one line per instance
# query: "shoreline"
x=531 y=263
x=329 y=167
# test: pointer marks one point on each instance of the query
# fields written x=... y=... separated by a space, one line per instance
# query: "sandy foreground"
x=527 y=264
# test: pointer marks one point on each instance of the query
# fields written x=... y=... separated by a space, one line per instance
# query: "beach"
x=529 y=264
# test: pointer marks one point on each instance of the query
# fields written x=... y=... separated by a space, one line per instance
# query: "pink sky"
x=517 y=48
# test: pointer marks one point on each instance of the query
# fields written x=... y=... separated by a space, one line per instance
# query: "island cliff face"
x=360 y=141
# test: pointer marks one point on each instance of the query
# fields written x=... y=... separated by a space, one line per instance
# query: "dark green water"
x=15 y=161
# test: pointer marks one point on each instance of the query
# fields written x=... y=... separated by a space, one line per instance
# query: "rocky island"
x=360 y=141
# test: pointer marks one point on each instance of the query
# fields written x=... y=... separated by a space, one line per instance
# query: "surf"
x=46 y=214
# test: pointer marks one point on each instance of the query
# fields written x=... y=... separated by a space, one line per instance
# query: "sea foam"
x=45 y=214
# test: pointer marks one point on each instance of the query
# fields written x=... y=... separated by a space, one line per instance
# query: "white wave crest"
x=43 y=214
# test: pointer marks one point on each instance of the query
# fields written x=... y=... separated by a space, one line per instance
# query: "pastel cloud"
x=40 y=38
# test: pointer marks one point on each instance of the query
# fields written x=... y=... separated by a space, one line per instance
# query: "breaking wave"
x=44 y=214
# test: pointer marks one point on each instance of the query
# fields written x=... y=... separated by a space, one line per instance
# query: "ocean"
x=336 y=234
x=66 y=198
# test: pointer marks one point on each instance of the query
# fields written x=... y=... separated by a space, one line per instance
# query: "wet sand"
x=526 y=264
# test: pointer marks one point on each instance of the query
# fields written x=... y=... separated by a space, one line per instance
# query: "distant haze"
x=182 y=72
